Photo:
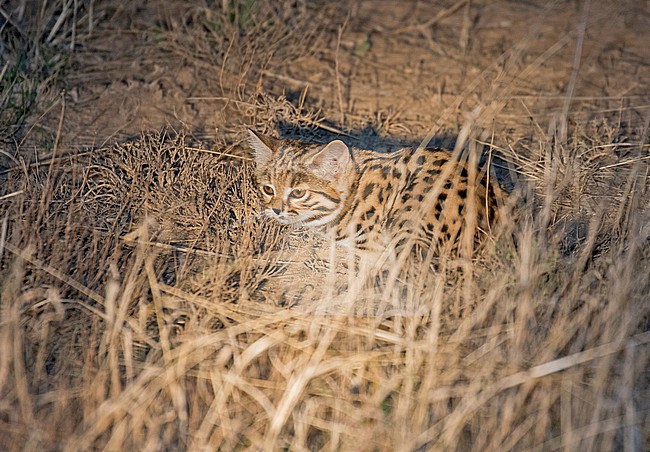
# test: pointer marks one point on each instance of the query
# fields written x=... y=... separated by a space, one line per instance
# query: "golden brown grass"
x=138 y=310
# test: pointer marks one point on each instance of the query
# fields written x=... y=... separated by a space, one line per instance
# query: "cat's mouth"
x=283 y=217
x=285 y=220
x=289 y=218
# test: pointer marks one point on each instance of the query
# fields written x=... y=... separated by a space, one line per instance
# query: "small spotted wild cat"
x=371 y=200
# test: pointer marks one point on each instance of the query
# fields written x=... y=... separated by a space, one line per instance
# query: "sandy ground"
x=401 y=68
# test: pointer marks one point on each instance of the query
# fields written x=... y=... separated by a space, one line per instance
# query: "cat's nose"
x=276 y=210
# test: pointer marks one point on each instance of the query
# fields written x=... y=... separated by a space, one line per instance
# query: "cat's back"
x=428 y=192
x=415 y=172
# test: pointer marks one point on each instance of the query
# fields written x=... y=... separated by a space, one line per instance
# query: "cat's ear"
x=262 y=146
x=332 y=161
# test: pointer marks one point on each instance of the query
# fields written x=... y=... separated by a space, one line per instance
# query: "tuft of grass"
x=35 y=41
x=18 y=97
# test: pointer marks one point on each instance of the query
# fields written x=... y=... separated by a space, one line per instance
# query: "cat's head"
x=301 y=183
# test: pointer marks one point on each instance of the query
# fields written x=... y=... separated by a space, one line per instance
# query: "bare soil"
x=380 y=64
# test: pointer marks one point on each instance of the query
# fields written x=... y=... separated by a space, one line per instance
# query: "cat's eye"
x=268 y=190
x=298 y=193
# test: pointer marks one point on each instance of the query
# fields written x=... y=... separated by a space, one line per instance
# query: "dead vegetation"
x=146 y=305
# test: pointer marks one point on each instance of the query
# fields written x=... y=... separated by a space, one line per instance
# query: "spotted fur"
x=370 y=200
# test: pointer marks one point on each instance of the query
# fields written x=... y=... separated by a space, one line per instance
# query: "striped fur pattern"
x=370 y=200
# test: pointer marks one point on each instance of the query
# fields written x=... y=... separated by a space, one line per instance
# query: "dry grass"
x=140 y=308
